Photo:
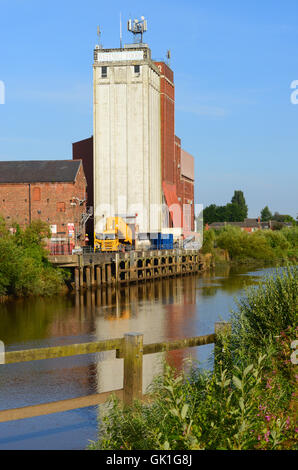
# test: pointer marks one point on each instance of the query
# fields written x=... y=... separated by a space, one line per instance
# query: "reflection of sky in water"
x=165 y=310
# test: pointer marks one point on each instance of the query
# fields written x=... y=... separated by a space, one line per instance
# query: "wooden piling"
x=88 y=278
x=109 y=274
x=98 y=276
x=103 y=274
x=92 y=270
x=81 y=277
x=77 y=279
x=117 y=268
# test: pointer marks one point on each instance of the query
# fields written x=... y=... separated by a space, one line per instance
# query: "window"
x=60 y=206
x=36 y=194
x=104 y=72
x=137 y=69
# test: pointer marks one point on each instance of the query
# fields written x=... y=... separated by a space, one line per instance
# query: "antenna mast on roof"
x=168 y=57
x=99 y=34
x=137 y=27
x=120 y=31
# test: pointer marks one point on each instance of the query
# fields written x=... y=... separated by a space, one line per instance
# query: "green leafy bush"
x=264 y=245
x=208 y=241
x=24 y=266
x=266 y=311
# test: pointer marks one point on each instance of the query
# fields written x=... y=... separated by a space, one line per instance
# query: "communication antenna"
x=120 y=31
x=137 y=28
x=99 y=35
x=168 y=57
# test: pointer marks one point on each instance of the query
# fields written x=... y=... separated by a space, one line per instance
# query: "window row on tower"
x=104 y=70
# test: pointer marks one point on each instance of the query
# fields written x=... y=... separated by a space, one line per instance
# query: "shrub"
x=208 y=241
x=24 y=267
x=266 y=311
x=260 y=245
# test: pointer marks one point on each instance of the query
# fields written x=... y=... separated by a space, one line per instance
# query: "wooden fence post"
x=133 y=367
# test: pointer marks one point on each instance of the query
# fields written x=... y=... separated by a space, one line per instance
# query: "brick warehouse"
x=51 y=191
x=177 y=166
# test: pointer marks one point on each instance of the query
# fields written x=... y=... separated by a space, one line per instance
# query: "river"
x=162 y=310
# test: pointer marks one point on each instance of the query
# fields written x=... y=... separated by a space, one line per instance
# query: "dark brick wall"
x=167 y=103
x=83 y=150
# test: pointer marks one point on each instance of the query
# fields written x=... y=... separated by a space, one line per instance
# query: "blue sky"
x=234 y=62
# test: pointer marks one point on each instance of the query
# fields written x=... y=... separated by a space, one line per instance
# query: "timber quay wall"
x=108 y=269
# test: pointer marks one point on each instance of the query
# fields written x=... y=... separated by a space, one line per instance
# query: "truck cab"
x=118 y=235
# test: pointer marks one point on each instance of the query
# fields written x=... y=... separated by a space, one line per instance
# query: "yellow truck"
x=117 y=236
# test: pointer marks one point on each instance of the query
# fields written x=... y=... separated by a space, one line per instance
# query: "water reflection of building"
x=161 y=310
x=181 y=304
x=156 y=309
x=126 y=310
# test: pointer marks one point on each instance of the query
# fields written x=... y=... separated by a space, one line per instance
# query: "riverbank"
x=247 y=402
x=231 y=245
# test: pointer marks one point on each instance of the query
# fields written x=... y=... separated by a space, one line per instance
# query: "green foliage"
x=283 y=218
x=235 y=211
x=239 y=200
x=266 y=311
x=266 y=215
x=24 y=267
x=259 y=245
x=210 y=214
x=208 y=241
x=243 y=245
x=247 y=402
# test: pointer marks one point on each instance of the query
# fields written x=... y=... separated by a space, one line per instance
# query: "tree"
x=235 y=211
x=266 y=214
x=239 y=199
x=210 y=214
x=283 y=218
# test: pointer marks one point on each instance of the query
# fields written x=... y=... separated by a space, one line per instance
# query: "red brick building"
x=83 y=150
x=51 y=191
x=177 y=165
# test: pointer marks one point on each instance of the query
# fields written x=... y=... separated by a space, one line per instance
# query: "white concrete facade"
x=127 y=139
